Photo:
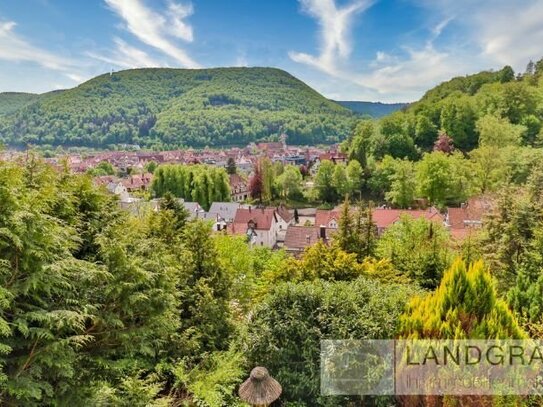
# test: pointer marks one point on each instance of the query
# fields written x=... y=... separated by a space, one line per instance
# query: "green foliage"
x=355 y=177
x=465 y=294
x=289 y=183
x=200 y=183
x=288 y=326
x=205 y=318
x=103 y=168
x=418 y=248
x=356 y=232
x=11 y=102
x=498 y=132
x=151 y=166
x=402 y=184
x=458 y=121
x=443 y=179
x=169 y=108
x=359 y=147
x=231 y=166
x=324 y=182
x=87 y=296
x=245 y=267
x=213 y=382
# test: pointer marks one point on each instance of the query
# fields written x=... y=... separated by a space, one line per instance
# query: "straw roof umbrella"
x=260 y=389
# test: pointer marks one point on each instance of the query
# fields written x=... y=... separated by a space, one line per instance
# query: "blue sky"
x=378 y=50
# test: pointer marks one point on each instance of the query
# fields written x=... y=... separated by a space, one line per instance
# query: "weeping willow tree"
x=199 y=183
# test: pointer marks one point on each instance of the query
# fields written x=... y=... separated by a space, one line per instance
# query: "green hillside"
x=166 y=108
x=373 y=109
x=467 y=108
x=12 y=101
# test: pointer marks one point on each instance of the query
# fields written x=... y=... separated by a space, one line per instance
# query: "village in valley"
x=279 y=226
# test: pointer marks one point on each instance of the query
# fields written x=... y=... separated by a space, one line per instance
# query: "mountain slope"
x=12 y=101
x=167 y=108
x=489 y=104
x=373 y=109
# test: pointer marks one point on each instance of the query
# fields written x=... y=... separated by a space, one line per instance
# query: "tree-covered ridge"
x=179 y=107
x=373 y=109
x=471 y=116
x=12 y=101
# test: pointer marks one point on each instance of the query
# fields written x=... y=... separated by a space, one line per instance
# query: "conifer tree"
x=466 y=293
x=204 y=293
x=231 y=166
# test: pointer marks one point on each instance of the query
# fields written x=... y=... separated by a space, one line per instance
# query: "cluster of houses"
x=279 y=227
x=244 y=158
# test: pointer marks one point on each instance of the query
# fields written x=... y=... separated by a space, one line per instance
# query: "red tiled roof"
x=323 y=216
x=459 y=219
x=456 y=217
x=104 y=180
x=384 y=218
x=284 y=213
x=262 y=217
x=300 y=237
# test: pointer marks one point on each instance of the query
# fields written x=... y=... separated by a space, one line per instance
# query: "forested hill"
x=12 y=101
x=488 y=108
x=373 y=109
x=167 y=108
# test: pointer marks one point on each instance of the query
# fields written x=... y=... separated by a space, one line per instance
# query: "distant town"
x=274 y=227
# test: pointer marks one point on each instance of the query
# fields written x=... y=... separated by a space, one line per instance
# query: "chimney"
x=322 y=233
x=249 y=209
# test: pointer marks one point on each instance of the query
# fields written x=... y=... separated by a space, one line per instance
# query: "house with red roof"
x=285 y=218
x=239 y=189
x=468 y=219
x=328 y=218
x=382 y=217
x=298 y=238
x=259 y=225
x=138 y=182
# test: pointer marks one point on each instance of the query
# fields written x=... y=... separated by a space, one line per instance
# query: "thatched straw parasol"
x=260 y=389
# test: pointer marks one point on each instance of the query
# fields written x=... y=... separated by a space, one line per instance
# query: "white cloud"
x=177 y=13
x=126 y=56
x=156 y=29
x=506 y=32
x=394 y=75
x=335 y=26
x=512 y=34
x=410 y=76
x=15 y=48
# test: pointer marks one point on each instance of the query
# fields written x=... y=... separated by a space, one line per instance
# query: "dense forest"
x=168 y=108
x=472 y=111
x=10 y=102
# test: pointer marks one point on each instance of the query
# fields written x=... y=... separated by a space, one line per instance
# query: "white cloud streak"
x=335 y=27
x=158 y=29
x=126 y=56
x=17 y=49
x=394 y=75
